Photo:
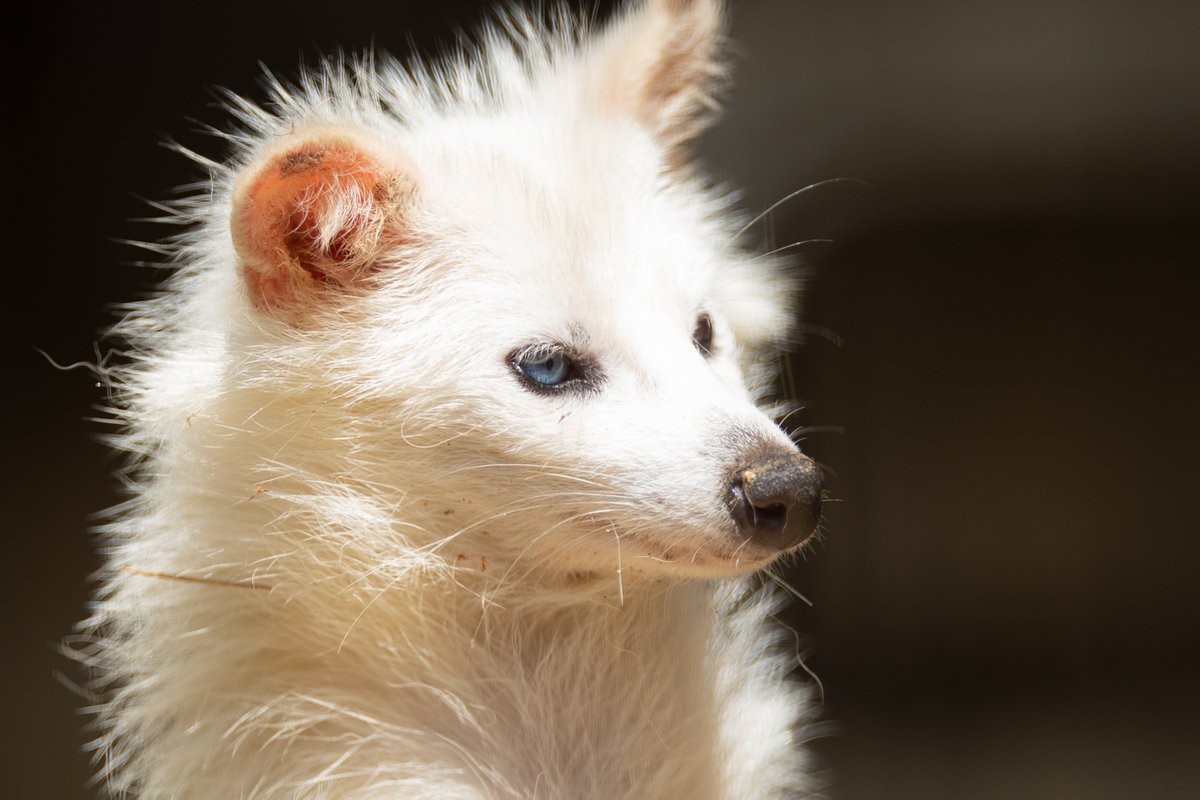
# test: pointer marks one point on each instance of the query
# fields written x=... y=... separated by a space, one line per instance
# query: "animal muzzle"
x=776 y=501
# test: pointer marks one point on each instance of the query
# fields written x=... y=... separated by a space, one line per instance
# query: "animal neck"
x=575 y=693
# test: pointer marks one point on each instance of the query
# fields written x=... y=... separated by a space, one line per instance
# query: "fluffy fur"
x=361 y=559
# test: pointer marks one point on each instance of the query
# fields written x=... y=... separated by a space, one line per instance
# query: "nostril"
x=770 y=516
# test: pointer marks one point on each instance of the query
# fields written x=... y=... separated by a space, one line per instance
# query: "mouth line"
x=744 y=557
x=706 y=549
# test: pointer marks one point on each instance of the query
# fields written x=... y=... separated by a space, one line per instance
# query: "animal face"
x=540 y=334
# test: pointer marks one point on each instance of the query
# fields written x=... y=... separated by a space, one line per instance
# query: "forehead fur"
x=522 y=175
x=577 y=200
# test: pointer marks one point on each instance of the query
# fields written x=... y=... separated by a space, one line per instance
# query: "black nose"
x=776 y=502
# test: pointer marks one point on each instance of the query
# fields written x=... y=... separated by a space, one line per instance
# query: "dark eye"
x=702 y=335
x=545 y=367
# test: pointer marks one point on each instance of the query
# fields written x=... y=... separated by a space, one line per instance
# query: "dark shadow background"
x=1006 y=602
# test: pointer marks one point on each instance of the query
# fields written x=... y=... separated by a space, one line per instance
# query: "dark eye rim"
x=703 y=333
x=583 y=373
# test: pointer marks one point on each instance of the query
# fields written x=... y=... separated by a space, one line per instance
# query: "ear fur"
x=660 y=64
x=315 y=213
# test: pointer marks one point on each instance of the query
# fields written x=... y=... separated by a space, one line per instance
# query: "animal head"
x=498 y=301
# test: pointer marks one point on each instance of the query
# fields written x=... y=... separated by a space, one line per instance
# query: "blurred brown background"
x=1006 y=602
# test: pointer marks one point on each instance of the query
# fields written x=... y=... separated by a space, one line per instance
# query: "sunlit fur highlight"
x=358 y=559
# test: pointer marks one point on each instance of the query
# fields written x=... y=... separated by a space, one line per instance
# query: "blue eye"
x=548 y=367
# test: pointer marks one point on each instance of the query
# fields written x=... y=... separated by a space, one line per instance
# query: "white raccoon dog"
x=450 y=480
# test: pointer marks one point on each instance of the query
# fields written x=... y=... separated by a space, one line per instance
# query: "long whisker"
x=793 y=246
x=781 y=583
x=794 y=195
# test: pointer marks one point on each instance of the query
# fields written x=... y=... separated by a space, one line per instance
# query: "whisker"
x=620 y=578
x=793 y=246
x=820 y=331
x=781 y=583
x=807 y=429
x=794 y=195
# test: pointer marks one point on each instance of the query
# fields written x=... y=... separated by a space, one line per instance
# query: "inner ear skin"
x=318 y=214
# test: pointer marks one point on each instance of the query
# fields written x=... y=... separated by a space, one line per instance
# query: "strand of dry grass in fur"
x=166 y=576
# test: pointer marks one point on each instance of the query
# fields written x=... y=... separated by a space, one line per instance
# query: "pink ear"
x=316 y=214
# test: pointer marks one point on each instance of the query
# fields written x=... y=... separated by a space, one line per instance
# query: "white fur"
x=360 y=559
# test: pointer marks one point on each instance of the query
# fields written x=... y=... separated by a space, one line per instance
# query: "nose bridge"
x=713 y=405
x=698 y=397
x=679 y=374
